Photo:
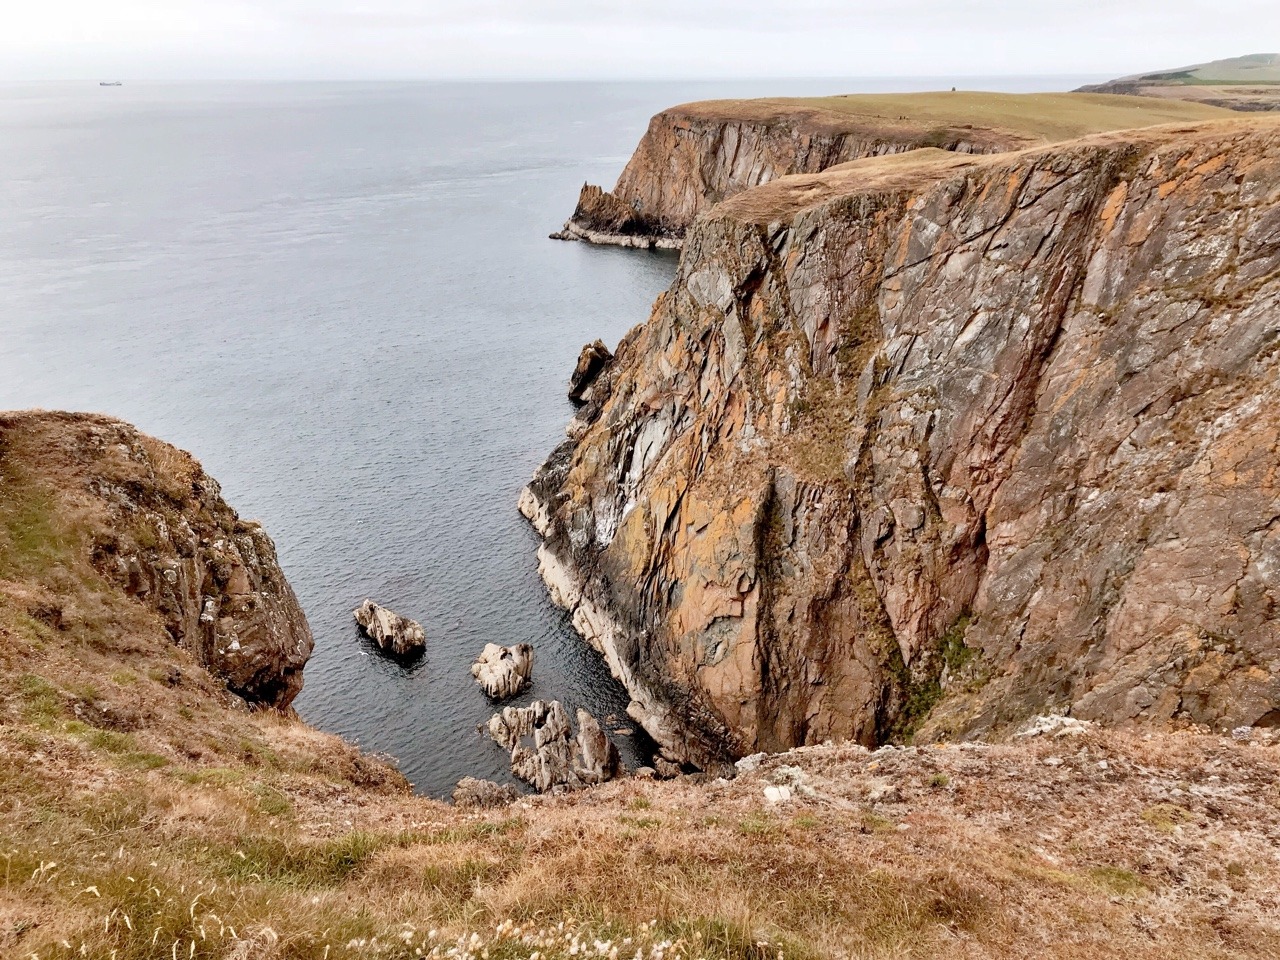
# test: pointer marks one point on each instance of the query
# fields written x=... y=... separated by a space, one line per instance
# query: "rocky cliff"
x=113 y=536
x=936 y=442
x=696 y=155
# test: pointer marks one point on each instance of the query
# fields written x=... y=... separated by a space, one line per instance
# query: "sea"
x=341 y=298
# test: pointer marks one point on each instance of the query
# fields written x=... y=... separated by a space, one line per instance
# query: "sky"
x=623 y=39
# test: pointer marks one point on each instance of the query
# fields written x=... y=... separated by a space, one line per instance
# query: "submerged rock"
x=503 y=672
x=473 y=793
x=555 y=760
x=593 y=359
x=392 y=632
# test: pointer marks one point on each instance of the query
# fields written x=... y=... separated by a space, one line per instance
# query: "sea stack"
x=391 y=632
x=502 y=672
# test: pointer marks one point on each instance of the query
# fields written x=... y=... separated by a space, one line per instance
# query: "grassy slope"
x=145 y=813
x=1261 y=68
x=1029 y=118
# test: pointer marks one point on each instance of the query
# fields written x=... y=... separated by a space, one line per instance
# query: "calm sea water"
x=342 y=299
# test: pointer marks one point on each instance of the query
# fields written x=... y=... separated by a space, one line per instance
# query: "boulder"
x=597 y=757
x=503 y=672
x=592 y=361
x=392 y=632
x=544 y=751
x=472 y=793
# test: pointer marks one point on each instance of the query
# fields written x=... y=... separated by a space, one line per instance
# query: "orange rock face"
x=936 y=443
x=692 y=157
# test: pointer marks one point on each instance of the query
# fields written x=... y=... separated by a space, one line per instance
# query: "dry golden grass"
x=1028 y=118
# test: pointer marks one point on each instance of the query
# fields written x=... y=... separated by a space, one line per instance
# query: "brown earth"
x=934 y=443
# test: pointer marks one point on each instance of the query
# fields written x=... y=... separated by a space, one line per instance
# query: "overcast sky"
x=377 y=39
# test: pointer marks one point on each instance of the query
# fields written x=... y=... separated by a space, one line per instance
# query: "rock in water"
x=598 y=758
x=474 y=794
x=503 y=671
x=592 y=361
x=556 y=761
x=392 y=632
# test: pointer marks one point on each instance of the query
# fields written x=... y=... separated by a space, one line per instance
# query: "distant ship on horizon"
x=110 y=83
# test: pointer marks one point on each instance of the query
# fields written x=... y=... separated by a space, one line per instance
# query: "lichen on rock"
x=935 y=443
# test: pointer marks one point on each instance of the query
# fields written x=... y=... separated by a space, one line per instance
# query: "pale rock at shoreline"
x=502 y=672
x=556 y=761
x=392 y=632
x=473 y=793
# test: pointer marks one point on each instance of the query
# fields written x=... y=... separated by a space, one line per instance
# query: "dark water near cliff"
x=341 y=298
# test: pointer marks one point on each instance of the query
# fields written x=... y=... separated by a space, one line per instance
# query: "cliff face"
x=970 y=438
x=111 y=533
x=696 y=155
x=690 y=159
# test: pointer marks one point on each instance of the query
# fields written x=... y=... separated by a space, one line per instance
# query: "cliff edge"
x=695 y=155
x=931 y=443
x=108 y=536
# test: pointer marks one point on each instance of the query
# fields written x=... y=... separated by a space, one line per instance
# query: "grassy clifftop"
x=1239 y=83
x=1021 y=117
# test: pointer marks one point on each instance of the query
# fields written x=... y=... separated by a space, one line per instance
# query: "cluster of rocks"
x=391 y=632
x=546 y=754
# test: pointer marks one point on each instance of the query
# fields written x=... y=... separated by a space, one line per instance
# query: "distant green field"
x=1036 y=117
x=1258 y=68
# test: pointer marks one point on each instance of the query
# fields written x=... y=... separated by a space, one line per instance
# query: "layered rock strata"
x=546 y=754
x=502 y=672
x=390 y=631
x=92 y=497
x=944 y=440
x=695 y=155
x=692 y=157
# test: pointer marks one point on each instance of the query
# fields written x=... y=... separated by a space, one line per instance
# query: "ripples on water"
x=341 y=298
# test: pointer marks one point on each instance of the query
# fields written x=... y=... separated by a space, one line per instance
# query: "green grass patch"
x=1166 y=817
x=1117 y=880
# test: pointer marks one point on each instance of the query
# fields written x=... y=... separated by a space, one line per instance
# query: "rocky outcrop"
x=473 y=794
x=944 y=440
x=98 y=502
x=696 y=155
x=592 y=361
x=391 y=632
x=502 y=672
x=546 y=754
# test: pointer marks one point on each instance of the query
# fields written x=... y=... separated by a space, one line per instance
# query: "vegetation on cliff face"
x=1037 y=390
x=695 y=155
